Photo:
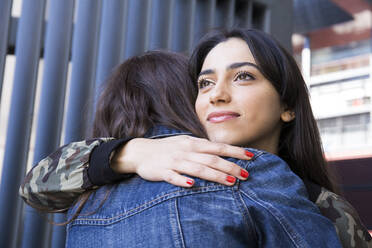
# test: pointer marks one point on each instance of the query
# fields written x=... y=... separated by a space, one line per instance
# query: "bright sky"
x=16 y=8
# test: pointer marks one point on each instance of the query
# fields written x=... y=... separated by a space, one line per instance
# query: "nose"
x=219 y=94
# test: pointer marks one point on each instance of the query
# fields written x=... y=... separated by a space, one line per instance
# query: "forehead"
x=226 y=53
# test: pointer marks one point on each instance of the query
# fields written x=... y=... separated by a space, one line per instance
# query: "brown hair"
x=154 y=88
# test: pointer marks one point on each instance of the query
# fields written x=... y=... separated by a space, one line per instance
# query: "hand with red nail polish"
x=174 y=159
x=190 y=182
x=230 y=179
x=244 y=173
x=249 y=154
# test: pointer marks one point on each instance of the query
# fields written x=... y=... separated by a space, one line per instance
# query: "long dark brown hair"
x=152 y=89
x=299 y=142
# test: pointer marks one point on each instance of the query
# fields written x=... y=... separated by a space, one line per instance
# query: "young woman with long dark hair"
x=151 y=96
x=287 y=127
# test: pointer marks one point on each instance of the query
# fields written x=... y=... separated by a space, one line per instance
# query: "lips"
x=221 y=116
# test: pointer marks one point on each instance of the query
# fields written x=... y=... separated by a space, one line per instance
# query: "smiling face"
x=236 y=103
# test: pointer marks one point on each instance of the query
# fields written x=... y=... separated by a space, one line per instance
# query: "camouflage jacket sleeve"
x=58 y=180
x=349 y=227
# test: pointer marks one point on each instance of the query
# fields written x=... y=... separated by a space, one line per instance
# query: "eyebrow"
x=232 y=66
x=237 y=65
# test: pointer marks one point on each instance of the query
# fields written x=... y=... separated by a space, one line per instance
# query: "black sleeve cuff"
x=99 y=170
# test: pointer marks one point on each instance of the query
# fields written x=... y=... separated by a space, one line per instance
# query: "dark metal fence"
x=94 y=35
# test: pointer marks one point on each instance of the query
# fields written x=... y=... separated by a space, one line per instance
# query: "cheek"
x=250 y=102
x=274 y=106
x=262 y=107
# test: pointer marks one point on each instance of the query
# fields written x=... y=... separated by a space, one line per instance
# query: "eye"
x=243 y=76
x=202 y=83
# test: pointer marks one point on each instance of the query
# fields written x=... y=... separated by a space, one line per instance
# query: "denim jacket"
x=270 y=209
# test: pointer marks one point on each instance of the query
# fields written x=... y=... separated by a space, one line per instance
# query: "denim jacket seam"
x=245 y=212
x=245 y=163
x=256 y=156
x=293 y=235
x=147 y=205
x=179 y=223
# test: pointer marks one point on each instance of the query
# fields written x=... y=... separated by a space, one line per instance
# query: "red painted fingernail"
x=249 y=154
x=244 y=173
x=190 y=182
x=230 y=179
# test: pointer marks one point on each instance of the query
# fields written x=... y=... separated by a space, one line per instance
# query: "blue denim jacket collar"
x=161 y=131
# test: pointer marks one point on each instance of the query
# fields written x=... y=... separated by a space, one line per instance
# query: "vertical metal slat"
x=160 y=30
x=205 y=12
x=138 y=26
x=56 y=57
x=183 y=25
x=81 y=95
x=84 y=57
x=225 y=10
x=249 y=20
x=20 y=117
x=110 y=41
x=5 y=13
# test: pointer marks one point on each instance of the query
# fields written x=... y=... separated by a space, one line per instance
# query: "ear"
x=287 y=116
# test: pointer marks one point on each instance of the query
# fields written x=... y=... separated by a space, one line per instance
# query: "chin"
x=224 y=137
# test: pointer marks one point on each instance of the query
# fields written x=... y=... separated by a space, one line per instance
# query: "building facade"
x=337 y=63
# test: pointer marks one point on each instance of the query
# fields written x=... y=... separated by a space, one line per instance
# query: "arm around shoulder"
x=57 y=181
x=349 y=227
